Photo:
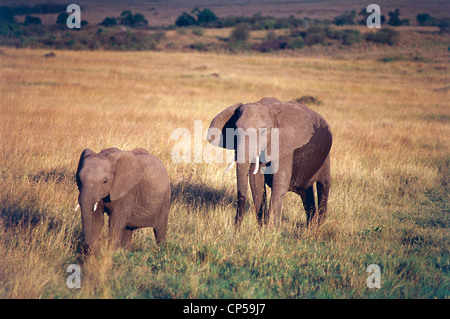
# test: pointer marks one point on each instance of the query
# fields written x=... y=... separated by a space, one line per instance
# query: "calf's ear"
x=86 y=153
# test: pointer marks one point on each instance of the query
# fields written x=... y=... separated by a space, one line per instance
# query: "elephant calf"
x=132 y=187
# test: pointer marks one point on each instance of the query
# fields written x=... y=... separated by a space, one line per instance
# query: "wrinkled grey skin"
x=132 y=187
x=304 y=144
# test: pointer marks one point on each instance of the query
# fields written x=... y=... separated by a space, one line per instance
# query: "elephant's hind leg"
x=160 y=229
x=323 y=189
x=160 y=234
x=309 y=204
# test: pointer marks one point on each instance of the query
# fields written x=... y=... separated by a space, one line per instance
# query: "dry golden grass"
x=388 y=204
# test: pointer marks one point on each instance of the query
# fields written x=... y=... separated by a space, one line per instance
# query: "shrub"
x=270 y=35
x=308 y=99
x=315 y=35
x=204 y=16
x=158 y=36
x=346 y=36
x=62 y=18
x=127 y=40
x=443 y=25
x=351 y=36
x=235 y=46
x=108 y=22
x=384 y=36
x=388 y=59
x=30 y=20
x=139 y=19
x=126 y=17
x=424 y=19
x=296 y=43
x=6 y=14
x=240 y=33
x=394 y=19
x=197 y=31
x=182 y=31
x=199 y=46
x=271 y=45
x=185 y=19
x=132 y=20
x=347 y=18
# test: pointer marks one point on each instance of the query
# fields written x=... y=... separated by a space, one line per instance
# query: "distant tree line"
x=424 y=19
x=202 y=17
x=303 y=31
x=207 y=18
x=324 y=35
x=126 y=18
x=8 y=13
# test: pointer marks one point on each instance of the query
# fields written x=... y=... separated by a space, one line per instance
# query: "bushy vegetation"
x=7 y=13
x=207 y=19
x=347 y=18
x=394 y=19
x=139 y=36
x=204 y=17
x=30 y=20
x=85 y=39
x=384 y=36
x=240 y=33
x=126 y=18
x=424 y=19
x=296 y=43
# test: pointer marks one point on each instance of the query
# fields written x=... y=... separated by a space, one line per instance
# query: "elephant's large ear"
x=217 y=130
x=295 y=123
x=128 y=173
x=86 y=153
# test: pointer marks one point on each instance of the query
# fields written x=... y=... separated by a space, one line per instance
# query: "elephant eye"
x=105 y=181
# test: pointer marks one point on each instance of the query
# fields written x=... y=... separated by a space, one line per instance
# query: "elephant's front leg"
x=259 y=196
x=240 y=209
x=242 y=173
x=118 y=223
x=127 y=235
x=276 y=205
x=280 y=186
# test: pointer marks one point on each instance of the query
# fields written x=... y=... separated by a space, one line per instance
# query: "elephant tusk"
x=76 y=208
x=257 y=165
x=229 y=167
x=95 y=207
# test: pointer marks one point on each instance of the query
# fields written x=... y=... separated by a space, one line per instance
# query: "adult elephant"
x=283 y=145
x=132 y=187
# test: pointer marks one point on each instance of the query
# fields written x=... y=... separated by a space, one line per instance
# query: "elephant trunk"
x=89 y=219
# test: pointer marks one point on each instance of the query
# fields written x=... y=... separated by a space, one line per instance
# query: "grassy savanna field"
x=390 y=170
